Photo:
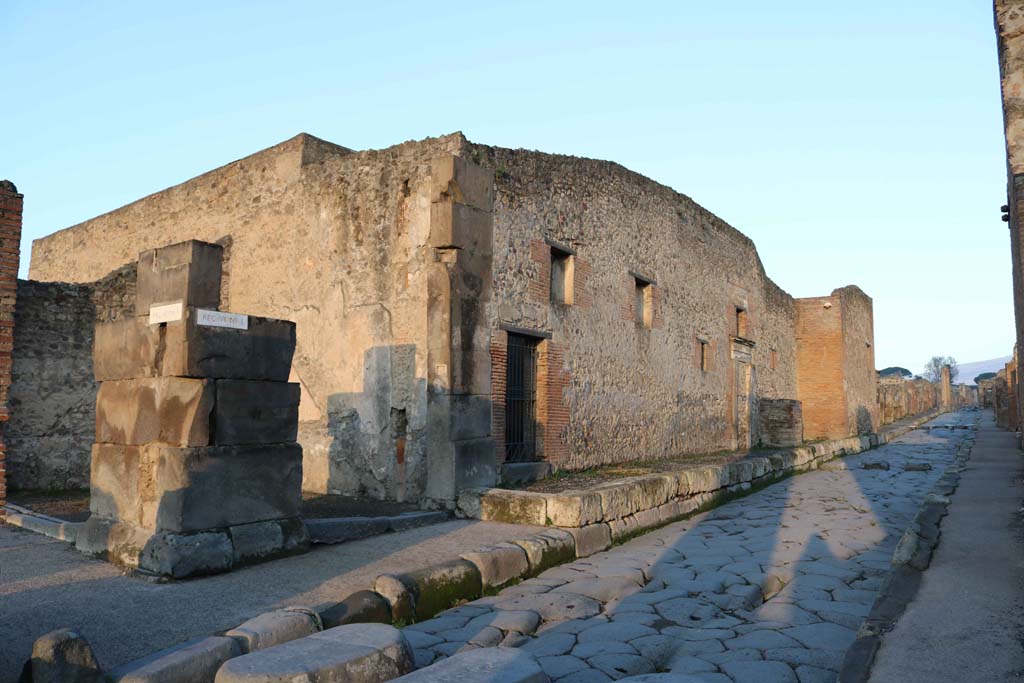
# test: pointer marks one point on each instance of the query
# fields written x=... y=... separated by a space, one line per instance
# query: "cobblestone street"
x=770 y=588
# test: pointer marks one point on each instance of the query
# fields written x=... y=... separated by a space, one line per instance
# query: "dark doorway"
x=521 y=399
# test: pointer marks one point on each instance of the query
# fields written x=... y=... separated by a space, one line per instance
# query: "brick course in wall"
x=11 y=208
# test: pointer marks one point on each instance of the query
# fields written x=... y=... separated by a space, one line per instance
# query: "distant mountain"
x=968 y=371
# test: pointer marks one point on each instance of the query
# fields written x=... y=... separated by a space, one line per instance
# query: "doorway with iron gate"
x=521 y=399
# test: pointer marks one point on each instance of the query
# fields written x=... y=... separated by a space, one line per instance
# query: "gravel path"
x=767 y=589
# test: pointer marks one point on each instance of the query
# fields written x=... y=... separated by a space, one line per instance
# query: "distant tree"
x=984 y=375
x=894 y=371
x=933 y=368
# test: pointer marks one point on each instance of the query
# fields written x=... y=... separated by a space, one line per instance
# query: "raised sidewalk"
x=966 y=622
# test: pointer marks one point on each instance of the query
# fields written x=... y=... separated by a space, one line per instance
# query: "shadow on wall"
x=398 y=439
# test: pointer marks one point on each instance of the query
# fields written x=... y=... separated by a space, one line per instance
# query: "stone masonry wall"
x=1009 y=24
x=52 y=388
x=337 y=241
x=860 y=377
x=11 y=207
x=349 y=245
x=626 y=388
x=52 y=397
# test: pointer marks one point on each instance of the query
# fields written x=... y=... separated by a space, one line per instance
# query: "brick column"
x=11 y=203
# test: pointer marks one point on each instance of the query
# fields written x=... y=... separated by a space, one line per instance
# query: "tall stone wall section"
x=860 y=377
x=1009 y=23
x=352 y=272
x=617 y=387
x=52 y=394
x=52 y=397
x=11 y=208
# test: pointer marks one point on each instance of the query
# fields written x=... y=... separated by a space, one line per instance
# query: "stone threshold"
x=22 y=517
x=615 y=511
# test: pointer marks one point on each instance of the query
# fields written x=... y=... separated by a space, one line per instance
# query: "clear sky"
x=856 y=142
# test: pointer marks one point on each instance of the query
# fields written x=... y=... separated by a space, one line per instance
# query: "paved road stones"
x=685 y=598
x=500 y=665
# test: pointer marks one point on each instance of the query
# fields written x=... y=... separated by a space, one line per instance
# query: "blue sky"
x=854 y=142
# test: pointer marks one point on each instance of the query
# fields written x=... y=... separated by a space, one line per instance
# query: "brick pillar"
x=11 y=203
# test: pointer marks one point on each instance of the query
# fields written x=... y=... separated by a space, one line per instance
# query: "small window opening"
x=644 y=303
x=704 y=350
x=741 y=322
x=562 y=268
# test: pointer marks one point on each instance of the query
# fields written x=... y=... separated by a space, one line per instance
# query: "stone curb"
x=60 y=529
x=909 y=561
x=636 y=504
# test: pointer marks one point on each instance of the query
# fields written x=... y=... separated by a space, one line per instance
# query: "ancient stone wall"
x=899 y=398
x=405 y=271
x=52 y=390
x=52 y=386
x=1009 y=23
x=11 y=207
x=628 y=383
x=336 y=241
x=859 y=361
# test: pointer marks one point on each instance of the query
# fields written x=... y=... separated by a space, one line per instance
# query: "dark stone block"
x=220 y=486
x=254 y=412
x=359 y=608
x=132 y=348
x=188 y=272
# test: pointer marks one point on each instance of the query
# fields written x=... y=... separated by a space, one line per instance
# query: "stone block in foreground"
x=190 y=662
x=363 y=653
x=190 y=489
x=484 y=665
